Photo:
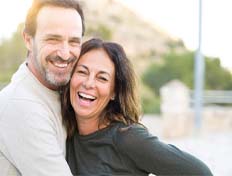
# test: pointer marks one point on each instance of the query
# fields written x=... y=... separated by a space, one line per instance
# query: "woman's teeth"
x=86 y=96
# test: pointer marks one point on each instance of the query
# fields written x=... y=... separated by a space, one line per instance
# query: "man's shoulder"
x=20 y=91
x=25 y=88
x=20 y=84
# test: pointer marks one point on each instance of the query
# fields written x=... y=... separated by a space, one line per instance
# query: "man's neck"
x=35 y=72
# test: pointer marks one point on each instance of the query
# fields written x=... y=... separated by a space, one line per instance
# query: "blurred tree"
x=12 y=52
x=150 y=101
x=175 y=66
x=216 y=77
x=180 y=66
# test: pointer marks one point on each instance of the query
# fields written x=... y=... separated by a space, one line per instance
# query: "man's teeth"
x=87 y=96
x=61 y=65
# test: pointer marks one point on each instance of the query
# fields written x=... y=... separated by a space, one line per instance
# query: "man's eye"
x=75 y=43
x=52 y=40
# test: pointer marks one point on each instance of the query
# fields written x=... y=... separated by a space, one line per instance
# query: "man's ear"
x=28 y=41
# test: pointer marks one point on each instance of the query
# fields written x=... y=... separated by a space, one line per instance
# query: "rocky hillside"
x=111 y=20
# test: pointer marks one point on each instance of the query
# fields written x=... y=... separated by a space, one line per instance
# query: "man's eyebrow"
x=53 y=36
x=77 y=39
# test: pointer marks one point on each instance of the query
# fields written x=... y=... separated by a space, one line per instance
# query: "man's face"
x=56 y=45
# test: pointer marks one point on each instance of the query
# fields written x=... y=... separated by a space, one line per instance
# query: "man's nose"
x=64 y=51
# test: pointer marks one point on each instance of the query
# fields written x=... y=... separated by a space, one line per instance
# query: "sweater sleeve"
x=153 y=156
x=31 y=143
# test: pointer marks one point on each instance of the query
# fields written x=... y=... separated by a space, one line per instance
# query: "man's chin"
x=58 y=81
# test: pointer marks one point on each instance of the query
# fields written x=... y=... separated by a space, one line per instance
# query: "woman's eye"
x=81 y=72
x=103 y=79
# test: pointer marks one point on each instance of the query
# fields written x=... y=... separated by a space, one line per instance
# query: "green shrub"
x=150 y=102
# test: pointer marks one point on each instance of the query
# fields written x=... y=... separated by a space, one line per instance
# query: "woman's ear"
x=112 y=97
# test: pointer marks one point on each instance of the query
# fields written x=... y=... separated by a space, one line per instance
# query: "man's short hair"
x=31 y=18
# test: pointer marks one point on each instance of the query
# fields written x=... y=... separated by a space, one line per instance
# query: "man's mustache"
x=60 y=59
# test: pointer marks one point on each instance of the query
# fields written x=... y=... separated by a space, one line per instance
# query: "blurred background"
x=161 y=39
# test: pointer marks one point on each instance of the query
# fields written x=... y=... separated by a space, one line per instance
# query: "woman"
x=101 y=113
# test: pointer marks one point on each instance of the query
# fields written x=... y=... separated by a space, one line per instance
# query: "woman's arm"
x=153 y=156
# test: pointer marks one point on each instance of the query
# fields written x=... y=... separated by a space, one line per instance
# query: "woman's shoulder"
x=132 y=134
x=134 y=128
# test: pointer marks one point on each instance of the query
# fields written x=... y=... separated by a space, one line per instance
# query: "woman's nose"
x=89 y=83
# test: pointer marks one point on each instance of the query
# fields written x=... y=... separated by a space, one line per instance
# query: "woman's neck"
x=88 y=126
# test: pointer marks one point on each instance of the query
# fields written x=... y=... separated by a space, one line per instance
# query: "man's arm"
x=30 y=138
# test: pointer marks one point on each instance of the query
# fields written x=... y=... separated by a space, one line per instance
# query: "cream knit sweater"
x=32 y=138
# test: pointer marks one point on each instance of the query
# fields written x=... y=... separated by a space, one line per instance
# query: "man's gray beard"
x=46 y=74
x=51 y=79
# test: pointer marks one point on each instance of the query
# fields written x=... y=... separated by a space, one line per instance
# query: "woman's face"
x=92 y=84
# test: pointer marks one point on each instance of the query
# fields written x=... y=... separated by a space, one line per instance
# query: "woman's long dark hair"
x=126 y=106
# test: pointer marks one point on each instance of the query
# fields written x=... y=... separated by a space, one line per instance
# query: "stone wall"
x=178 y=115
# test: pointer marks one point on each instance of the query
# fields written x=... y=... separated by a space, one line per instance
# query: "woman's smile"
x=85 y=99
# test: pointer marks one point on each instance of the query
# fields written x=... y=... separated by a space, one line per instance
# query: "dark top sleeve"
x=153 y=156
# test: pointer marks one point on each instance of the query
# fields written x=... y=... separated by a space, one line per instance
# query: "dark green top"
x=128 y=150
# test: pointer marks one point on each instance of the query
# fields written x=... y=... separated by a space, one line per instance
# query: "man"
x=32 y=138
